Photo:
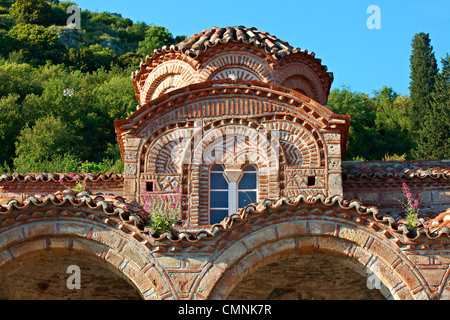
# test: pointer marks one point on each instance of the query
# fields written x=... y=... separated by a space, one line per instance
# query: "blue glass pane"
x=217 y=167
x=216 y=216
x=217 y=181
x=248 y=181
x=246 y=198
x=219 y=199
x=249 y=169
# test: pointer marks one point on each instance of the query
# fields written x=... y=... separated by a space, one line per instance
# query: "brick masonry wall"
x=381 y=185
x=292 y=239
x=317 y=276
x=20 y=190
x=43 y=276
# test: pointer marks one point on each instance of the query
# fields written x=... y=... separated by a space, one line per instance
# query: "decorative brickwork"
x=236 y=98
x=211 y=263
x=217 y=53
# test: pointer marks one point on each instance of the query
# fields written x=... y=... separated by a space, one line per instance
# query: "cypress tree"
x=435 y=137
x=423 y=76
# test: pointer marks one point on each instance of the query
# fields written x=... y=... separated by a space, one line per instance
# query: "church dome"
x=220 y=53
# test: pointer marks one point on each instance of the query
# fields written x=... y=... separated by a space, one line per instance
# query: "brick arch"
x=167 y=84
x=302 y=85
x=197 y=162
x=246 y=65
x=300 y=145
x=159 y=155
x=270 y=233
x=95 y=235
x=295 y=72
x=165 y=75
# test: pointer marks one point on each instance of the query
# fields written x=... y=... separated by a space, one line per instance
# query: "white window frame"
x=233 y=190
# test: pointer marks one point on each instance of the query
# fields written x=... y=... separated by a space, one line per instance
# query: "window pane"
x=218 y=199
x=216 y=216
x=248 y=181
x=217 y=167
x=249 y=169
x=217 y=181
x=246 y=198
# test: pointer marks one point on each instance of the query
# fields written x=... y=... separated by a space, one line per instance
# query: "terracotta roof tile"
x=132 y=214
x=434 y=169
x=54 y=177
x=129 y=213
x=200 y=42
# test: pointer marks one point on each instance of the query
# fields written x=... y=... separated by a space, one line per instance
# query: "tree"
x=363 y=139
x=47 y=139
x=7 y=43
x=11 y=122
x=91 y=58
x=37 y=44
x=434 y=139
x=31 y=11
x=155 y=38
x=392 y=122
x=423 y=76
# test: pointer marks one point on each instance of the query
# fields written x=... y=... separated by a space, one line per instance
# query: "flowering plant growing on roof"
x=411 y=208
x=161 y=209
x=80 y=184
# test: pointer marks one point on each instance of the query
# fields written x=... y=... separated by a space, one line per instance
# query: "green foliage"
x=6 y=43
x=379 y=125
x=37 y=44
x=91 y=58
x=10 y=123
x=156 y=37
x=363 y=138
x=411 y=207
x=31 y=11
x=48 y=138
x=434 y=139
x=43 y=128
x=423 y=76
x=161 y=210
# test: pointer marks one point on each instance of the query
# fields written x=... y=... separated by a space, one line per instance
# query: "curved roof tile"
x=434 y=169
x=199 y=43
x=55 y=177
x=132 y=214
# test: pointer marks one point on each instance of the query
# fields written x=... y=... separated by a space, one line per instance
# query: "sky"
x=361 y=59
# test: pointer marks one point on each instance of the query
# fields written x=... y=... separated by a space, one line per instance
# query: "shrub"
x=162 y=211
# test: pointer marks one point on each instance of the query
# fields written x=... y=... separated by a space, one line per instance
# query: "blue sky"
x=361 y=59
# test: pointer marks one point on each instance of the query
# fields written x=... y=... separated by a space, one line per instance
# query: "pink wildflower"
x=71 y=175
x=84 y=183
x=165 y=198
x=61 y=181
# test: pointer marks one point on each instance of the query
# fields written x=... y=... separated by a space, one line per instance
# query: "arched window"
x=230 y=193
x=218 y=194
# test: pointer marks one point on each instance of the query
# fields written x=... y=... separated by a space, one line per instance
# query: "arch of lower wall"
x=94 y=240
x=365 y=250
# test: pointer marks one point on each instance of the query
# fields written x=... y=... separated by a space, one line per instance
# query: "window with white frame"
x=248 y=187
x=227 y=196
x=218 y=194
